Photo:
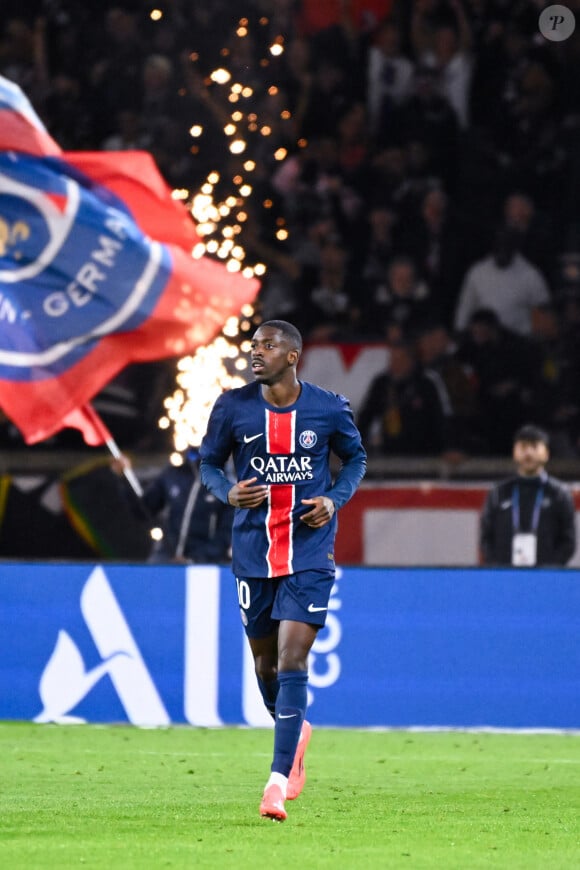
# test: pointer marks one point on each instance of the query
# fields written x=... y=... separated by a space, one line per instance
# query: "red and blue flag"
x=96 y=272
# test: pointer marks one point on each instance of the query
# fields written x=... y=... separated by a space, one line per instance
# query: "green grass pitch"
x=123 y=797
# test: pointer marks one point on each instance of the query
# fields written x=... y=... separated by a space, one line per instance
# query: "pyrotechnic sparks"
x=220 y=76
x=220 y=217
x=201 y=378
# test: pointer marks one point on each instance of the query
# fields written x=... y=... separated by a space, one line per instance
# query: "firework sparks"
x=223 y=365
x=201 y=378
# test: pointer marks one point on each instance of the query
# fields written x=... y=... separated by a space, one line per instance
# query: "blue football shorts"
x=302 y=597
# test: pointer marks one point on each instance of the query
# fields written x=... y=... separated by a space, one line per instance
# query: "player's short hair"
x=288 y=330
x=533 y=434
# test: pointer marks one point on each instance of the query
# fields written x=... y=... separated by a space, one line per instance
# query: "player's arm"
x=346 y=443
x=215 y=450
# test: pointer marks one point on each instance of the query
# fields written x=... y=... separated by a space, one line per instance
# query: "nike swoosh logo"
x=249 y=438
x=287 y=715
x=313 y=609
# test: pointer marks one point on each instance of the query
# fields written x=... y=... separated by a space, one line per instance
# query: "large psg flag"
x=96 y=272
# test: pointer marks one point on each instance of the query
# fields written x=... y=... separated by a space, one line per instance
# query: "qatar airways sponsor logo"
x=283 y=469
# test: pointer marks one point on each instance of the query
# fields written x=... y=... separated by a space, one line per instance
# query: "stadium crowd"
x=430 y=195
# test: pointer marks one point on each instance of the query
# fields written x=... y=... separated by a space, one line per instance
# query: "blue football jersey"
x=287 y=449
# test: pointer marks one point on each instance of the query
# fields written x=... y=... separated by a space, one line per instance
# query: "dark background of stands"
x=421 y=152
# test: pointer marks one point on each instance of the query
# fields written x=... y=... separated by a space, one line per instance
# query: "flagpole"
x=128 y=472
x=103 y=433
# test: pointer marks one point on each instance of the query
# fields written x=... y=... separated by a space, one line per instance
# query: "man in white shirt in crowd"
x=506 y=282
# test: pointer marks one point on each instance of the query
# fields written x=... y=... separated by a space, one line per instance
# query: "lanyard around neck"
x=535 y=514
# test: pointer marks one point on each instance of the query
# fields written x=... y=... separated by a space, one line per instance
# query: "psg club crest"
x=307 y=439
x=72 y=263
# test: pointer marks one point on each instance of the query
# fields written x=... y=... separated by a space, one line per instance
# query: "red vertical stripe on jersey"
x=279 y=555
x=280 y=430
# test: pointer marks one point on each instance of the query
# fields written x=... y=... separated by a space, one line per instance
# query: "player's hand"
x=321 y=513
x=244 y=495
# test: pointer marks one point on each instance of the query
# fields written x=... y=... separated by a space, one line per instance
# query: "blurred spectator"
x=401 y=297
x=171 y=150
x=278 y=297
x=567 y=56
x=128 y=134
x=329 y=96
x=405 y=411
x=116 y=71
x=503 y=52
x=22 y=58
x=352 y=139
x=72 y=38
x=317 y=189
x=328 y=308
x=295 y=77
x=386 y=177
x=67 y=113
x=506 y=282
x=570 y=401
x=555 y=399
x=378 y=244
x=533 y=231
x=159 y=100
x=438 y=353
x=436 y=241
x=389 y=76
x=195 y=526
x=308 y=240
x=419 y=19
x=506 y=369
x=427 y=117
x=525 y=136
x=448 y=50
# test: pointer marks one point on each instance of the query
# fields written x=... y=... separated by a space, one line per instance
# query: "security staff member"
x=529 y=519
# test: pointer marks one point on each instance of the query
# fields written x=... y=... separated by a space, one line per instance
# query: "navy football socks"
x=290 y=711
x=269 y=692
